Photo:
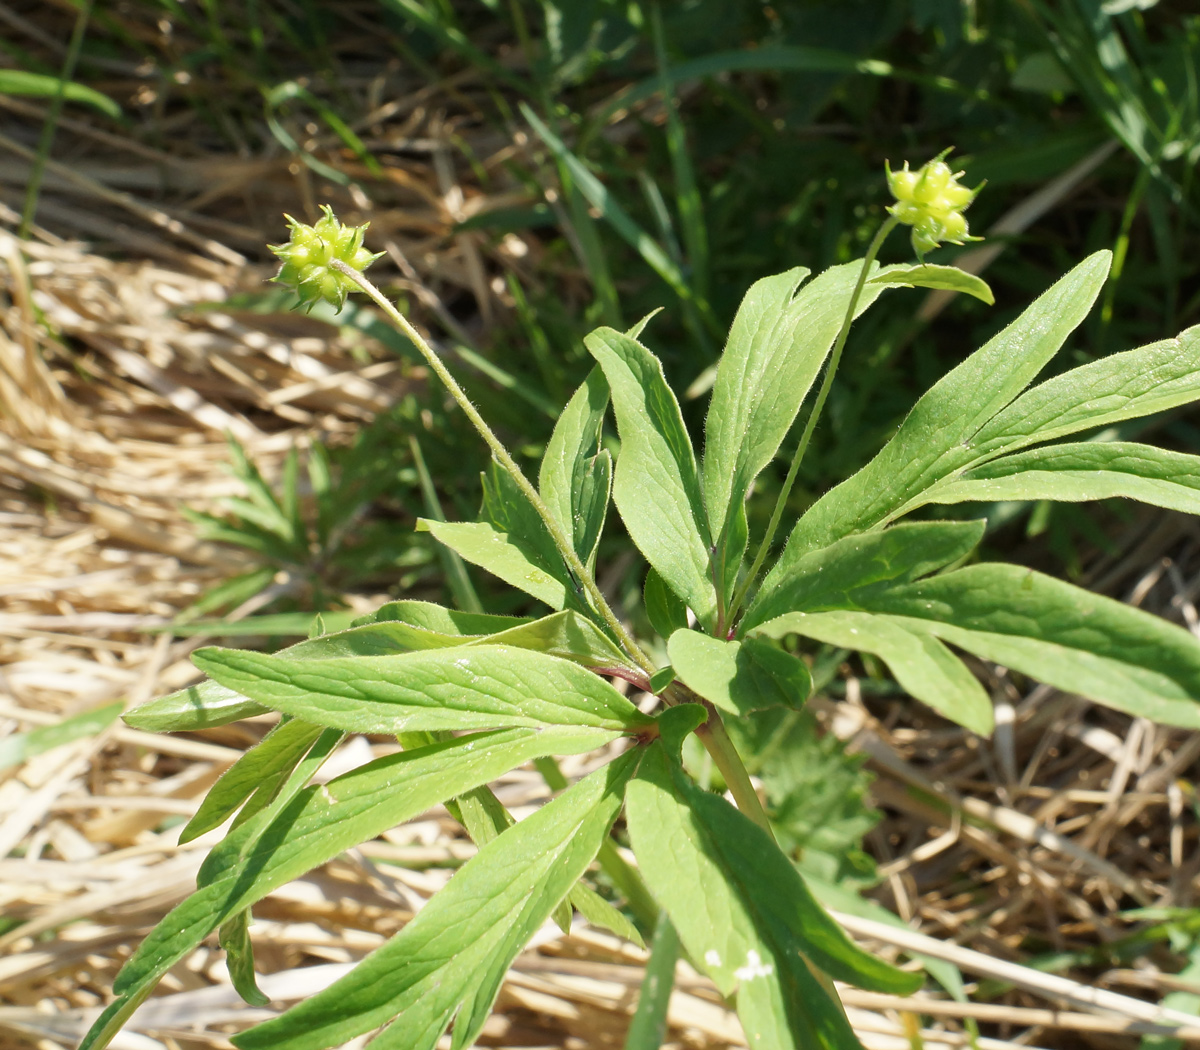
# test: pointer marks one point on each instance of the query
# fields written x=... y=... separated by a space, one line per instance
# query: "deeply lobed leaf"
x=936 y=438
x=454 y=953
x=319 y=823
x=743 y=912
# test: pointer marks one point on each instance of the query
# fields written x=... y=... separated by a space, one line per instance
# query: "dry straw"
x=115 y=394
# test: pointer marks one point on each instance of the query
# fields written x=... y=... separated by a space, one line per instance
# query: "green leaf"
x=835 y=577
x=20 y=747
x=1124 y=386
x=272 y=625
x=776 y=347
x=490 y=548
x=648 y=1029
x=508 y=509
x=317 y=825
x=599 y=913
x=440 y=620
x=817 y=794
x=567 y=635
x=475 y=687
x=234 y=938
x=837 y=897
x=656 y=488
x=936 y=438
x=923 y=666
x=276 y=754
x=667 y=614
x=266 y=809
x=591 y=505
x=738 y=677
x=661 y=678
x=112 y=1019
x=743 y=912
x=394 y=627
x=677 y=723
x=576 y=474
x=457 y=949
x=201 y=706
x=1059 y=634
x=19 y=82
x=1088 y=470
x=927 y=275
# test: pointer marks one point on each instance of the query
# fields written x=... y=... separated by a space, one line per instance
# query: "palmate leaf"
x=743 y=912
x=316 y=825
x=938 y=436
x=468 y=687
x=453 y=955
x=656 y=487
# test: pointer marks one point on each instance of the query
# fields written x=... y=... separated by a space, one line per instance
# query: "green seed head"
x=310 y=252
x=931 y=200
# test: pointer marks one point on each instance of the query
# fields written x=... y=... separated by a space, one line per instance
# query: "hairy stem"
x=834 y=359
x=561 y=540
x=712 y=734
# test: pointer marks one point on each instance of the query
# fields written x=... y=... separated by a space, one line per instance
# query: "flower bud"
x=931 y=200
x=309 y=254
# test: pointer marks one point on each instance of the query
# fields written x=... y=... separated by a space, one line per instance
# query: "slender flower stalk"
x=325 y=262
x=561 y=540
x=822 y=395
x=712 y=734
x=931 y=200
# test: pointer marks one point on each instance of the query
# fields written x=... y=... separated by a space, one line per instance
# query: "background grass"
x=666 y=155
x=534 y=169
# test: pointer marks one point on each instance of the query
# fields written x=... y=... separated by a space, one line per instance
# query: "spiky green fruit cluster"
x=309 y=254
x=931 y=200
